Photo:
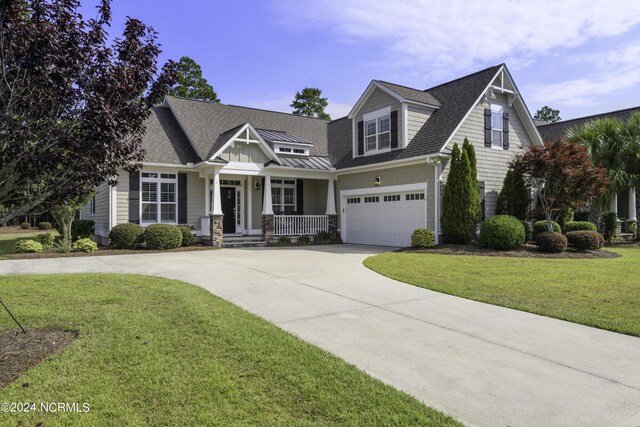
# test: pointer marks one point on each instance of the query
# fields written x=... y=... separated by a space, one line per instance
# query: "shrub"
x=82 y=229
x=44 y=225
x=502 y=232
x=304 y=240
x=25 y=225
x=46 y=240
x=27 y=246
x=423 y=238
x=85 y=245
x=126 y=236
x=566 y=215
x=322 y=237
x=551 y=241
x=284 y=240
x=585 y=240
x=610 y=222
x=527 y=231
x=582 y=216
x=579 y=226
x=633 y=227
x=541 y=227
x=188 y=238
x=162 y=236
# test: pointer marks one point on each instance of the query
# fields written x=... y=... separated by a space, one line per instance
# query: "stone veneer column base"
x=333 y=225
x=215 y=230
x=267 y=227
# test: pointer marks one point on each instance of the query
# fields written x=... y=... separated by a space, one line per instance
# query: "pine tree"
x=474 y=202
x=514 y=198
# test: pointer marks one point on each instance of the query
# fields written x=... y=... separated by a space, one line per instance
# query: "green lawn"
x=604 y=293
x=157 y=352
x=8 y=240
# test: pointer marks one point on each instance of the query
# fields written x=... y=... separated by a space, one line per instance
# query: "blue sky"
x=579 y=56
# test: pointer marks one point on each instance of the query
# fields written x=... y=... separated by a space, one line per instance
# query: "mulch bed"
x=105 y=251
x=20 y=351
x=525 y=251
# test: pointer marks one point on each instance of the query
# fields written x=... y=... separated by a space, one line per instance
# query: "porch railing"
x=298 y=225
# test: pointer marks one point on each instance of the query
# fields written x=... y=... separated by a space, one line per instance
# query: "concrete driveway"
x=483 y=364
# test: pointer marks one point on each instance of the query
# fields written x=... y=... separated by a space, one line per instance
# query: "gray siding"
x=315 y=197
x=122 y=191
x=195 y=199
x=242 y=152
x=101 y=217
x=379 y=99
x=492 y=163
x=416 y=117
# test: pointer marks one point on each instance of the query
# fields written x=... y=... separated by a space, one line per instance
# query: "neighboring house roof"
x=553 y=131
x=411 y=94
x=456 y=98
x=164 y=140
x=277 y=136
x=311 y=162
x=206 y=124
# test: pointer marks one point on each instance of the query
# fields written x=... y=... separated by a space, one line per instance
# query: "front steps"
x=243 y=242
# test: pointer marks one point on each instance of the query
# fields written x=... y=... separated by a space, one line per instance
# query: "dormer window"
x=378 y=133
x=290 y=149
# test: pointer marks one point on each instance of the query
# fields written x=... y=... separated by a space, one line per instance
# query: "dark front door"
x=228 y=209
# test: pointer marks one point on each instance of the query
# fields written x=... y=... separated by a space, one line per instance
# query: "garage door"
x=386 y=219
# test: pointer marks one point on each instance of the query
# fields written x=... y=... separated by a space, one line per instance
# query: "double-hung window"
x=158 y=197
x=496 y=126
x=283 y=196
x=377 y=134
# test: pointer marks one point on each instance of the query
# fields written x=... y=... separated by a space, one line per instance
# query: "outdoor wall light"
x=376 y=181
x=257 y=185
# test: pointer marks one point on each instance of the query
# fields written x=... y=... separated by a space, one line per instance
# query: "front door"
x=228 y=209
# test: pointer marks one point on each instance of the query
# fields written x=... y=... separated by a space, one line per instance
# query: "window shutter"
x=394 y=129
x=505 y=131
x=299 y=197
x=134 y=197
x=360 y=138
x=487 y=127
x=182 y=198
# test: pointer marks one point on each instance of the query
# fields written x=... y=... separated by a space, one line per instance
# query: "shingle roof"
x=553 y=131
x=456 y=98
x=278 y=136
x=164 y=141
x=205 y=122
x=311 y=162
x=411 y=94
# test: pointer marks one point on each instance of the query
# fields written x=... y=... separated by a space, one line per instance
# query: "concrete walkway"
x=483 y=364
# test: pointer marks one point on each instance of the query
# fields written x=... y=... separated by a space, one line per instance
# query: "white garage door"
x=386 y=219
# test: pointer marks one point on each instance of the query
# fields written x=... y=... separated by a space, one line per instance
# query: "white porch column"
x=249 y=200
x=217 y=200
x=632 y=205
x=267 y=206
x=614 y=204
x=331 y=198
x=207 y=195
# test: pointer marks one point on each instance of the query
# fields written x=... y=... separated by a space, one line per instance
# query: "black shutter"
x=505 y=131
x=299 y=197
x=134 y=197
x=182 y=198
x=487 y=127
x=360 y=138
x=394 y=129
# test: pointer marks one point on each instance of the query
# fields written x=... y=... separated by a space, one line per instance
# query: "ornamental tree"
x=72 y=105
x=562 y=175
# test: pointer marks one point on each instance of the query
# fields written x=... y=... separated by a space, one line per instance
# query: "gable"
x=243 y=144
x=244 y=152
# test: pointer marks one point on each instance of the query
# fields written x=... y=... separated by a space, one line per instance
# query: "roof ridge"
x=590 y=116
x=404 y=86
x=463 y=77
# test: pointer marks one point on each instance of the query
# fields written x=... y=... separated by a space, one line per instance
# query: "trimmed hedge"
x=585 y=240
x=44 y=225
x=27 y=246
x=85 y=245
x=46 y=240
x=162 y=236
x=82 y=229
x=502 y=232
x=423 y=238
x=578 y=226
x=188 y=238
x=126 y=236
x=551 y=241
x=25 y=225
x=541 y=227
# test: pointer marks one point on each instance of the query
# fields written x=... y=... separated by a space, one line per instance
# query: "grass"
x=604 y=293
x=154 y=351
x=8 y=240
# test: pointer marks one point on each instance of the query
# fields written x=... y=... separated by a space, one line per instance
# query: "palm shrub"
x=423 y=238
x=551 y=241
x=162 y=237
x=578 y=226
x=461 y=200
x=541 y=227
x=585 y=240
x=126 y=236
x=502 y=232
x=514 y=198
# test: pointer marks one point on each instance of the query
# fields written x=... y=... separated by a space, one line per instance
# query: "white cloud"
x=442 y=38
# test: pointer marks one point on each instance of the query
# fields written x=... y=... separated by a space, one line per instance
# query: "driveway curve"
x=485 y=365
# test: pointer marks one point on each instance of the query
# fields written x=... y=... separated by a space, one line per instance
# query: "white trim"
x=167 y=165
x=405 y=125
x=331 y=198
x=288 y=172
x=373 y=115
x=375 y=84
x=113 y=205
x=249 y=202
x=253 y=232
x=437 y=171
x=265 y=146
x=158 y=181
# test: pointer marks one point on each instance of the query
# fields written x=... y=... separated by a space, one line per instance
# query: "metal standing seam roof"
x=302 y=162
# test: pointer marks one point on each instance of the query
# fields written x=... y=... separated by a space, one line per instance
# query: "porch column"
x=331 y=198
x=267 y=210
x=613 y=207
x=249 y=202
x=216 y=213
x=207 y=196
x=632 y=205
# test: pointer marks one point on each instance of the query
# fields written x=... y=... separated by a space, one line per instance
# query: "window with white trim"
x=392 y=198
x=496 y=126
x=353 y=200
x=158 y=196
x=414 y=196
x=371 y=199
x=283 y=196
x=377 y=134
